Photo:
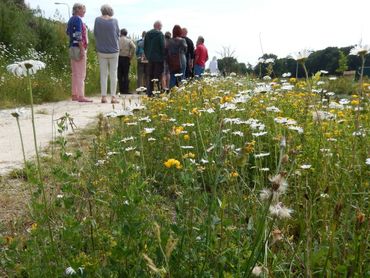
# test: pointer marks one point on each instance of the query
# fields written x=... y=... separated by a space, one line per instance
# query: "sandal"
x=83 y=99
x=114 y=100
x=103 y=99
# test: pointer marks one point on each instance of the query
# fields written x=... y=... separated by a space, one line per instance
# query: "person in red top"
x=201 y=57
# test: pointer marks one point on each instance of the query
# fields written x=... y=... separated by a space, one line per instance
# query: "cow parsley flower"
x=18 y=112
x=301 y=55
x=25 y=68
x=360 y=50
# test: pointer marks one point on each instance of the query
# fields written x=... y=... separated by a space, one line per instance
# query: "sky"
x=249 y=28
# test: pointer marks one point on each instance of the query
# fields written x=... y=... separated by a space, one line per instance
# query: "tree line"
x=334 y=60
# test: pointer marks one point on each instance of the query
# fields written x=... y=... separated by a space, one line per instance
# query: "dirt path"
x=83 y=114
x=14 y=195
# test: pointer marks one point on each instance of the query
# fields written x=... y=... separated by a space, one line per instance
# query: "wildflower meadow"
x=224 y=176
x=264 y=174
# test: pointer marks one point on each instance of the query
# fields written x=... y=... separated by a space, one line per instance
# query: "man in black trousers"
x=154 y=52
x=189 y=54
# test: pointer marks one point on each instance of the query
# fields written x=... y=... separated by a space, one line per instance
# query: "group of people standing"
x=162 y=60
x=166 y=59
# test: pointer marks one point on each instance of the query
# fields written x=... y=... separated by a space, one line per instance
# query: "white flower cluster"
x=25 y=68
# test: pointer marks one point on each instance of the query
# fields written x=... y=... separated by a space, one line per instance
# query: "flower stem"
x=38 y=158
x=362 y=74
x=22 y=144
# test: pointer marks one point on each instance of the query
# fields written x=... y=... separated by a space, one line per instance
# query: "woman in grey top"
x=106 y=33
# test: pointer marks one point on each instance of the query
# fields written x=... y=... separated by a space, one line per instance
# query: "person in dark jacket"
x=142 y=62
x=189 y=54
x=176 y=56
x=154 y=52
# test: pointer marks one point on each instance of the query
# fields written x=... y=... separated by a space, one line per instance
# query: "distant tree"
x=226 y=52
x=342 y=62
x=242 y=68
x=228 y=62
x=262 y=69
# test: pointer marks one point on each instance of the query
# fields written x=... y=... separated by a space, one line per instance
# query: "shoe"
x=114 y=100
x=83 y=99
x=103 y=99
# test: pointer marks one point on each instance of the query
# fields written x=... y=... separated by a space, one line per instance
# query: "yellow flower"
x=173 y=163
x=226 y=99
x=355 y=102
x=195 y=111
x=189 y=155
x=186 y=137
x=177 y=130
x=292 y=80
x=234 y=174
x=340 y=114
x=249 y=147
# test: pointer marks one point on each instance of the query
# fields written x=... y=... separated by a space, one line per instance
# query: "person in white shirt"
x=213 y=66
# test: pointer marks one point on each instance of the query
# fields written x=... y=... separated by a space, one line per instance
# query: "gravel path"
x=83 y=114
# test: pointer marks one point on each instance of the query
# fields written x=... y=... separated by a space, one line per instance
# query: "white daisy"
x=273 y=109
x=128 y=149
x=69 y=271
x=258 y=134
x=238 y=133
x=148 y=130
x=126 y=139
x=261 y=155
x=187 y=147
